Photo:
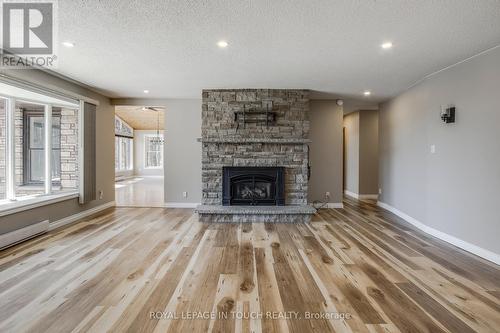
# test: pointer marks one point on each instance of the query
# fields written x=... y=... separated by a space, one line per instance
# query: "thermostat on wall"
x=448 y=114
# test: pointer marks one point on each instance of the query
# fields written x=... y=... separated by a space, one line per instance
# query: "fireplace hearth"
x=253 y=186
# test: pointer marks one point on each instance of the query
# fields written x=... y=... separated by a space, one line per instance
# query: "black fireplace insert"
x=253 y=186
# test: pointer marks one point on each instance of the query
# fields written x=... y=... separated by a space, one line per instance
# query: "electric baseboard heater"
x=20 y=235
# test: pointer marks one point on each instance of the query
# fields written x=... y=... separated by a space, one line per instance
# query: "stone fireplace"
x=255 y=155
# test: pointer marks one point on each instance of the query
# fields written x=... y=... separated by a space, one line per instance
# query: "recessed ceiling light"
x=146 y=91
x=386 y=45
x=367 y=93
x=222 y=44
x=68 y=44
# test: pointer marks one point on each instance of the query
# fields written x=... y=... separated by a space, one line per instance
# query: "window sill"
x=11 y=207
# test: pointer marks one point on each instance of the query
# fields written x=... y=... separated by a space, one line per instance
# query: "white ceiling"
x=333 y=47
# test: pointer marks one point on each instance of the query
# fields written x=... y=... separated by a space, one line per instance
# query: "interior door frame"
x=343 y=158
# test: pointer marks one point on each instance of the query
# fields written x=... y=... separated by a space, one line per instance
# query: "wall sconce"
x=448 y=114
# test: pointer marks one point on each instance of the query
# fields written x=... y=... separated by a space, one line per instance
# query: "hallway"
x=144 y=191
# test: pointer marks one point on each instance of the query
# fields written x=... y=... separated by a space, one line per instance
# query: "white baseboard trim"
x=351 y=194
x=181 y=204
x=332 y=205
x=367 y=196
x=474 y=249
x=122 y=178
x=360 y=196
x=76 y=217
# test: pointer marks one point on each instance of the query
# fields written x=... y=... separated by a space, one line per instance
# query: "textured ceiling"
x=141 y=119
x=333 y=47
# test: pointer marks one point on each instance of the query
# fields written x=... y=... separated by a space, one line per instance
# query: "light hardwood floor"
x=362 y=264
x=140 y=191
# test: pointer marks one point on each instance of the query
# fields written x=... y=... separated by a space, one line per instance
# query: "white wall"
x=182 y=157
x=351 y=125
x=457 y=189
x=368 y=152
x=140 y=155
x=325 y=151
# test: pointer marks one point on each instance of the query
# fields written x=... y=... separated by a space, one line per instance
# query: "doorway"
x=139 y=159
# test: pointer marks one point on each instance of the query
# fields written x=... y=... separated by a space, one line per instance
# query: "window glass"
x=122 y=128
x=154 y=151
x=56 y=148
x=124 y=141
x=129 y=157
x=117 y=153
x=123 y=157
x=29 y=147
x=123 y=153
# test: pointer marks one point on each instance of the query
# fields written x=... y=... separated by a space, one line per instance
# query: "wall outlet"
x=433 y=149
x=379 y=191
x=327 y=195
x=101 y=194
x=184 y=194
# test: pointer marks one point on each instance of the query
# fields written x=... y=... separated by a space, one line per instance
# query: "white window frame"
x=13 y=204
x=146 y=151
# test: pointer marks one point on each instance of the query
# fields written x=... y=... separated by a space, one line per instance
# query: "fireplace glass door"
x=253 y=186
x=253 y=190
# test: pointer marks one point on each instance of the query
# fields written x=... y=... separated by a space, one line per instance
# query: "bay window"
x=38 y=144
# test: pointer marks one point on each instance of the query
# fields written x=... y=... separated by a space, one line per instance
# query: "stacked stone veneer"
x=69 y=148
x=280 y=144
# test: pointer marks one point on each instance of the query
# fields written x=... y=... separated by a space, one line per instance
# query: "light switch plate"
x=433 y=149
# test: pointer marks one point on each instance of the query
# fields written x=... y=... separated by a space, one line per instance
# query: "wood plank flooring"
x=357 y=269
x=140 y=191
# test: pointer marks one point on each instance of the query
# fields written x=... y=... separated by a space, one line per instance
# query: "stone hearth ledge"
x=255 y=214
x=290 y=141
